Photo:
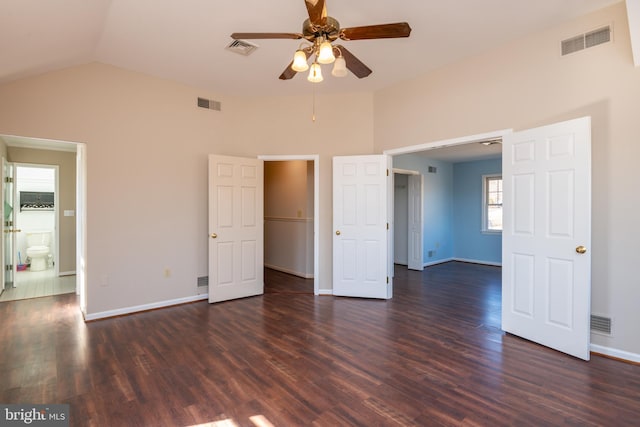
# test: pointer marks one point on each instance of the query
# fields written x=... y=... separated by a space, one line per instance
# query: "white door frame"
x=315 y=158
x=444 y=143
x=81 y=206
x=411 y=250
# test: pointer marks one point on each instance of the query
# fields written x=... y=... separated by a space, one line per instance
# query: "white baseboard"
x=325 y=291
x=440 y=261
x=67 y=273
x=478 y=261
x=473 y=261
x=144 y=307
x=613 y=352
x=288 y=271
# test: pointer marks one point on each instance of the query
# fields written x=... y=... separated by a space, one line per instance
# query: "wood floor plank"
x=432 y=355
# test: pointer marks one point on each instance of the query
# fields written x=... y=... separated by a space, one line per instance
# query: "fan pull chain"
x=313 y=109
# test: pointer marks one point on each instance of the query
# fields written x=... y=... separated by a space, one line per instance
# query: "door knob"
x=337 y=232
x=214 y=235
x=581 y=249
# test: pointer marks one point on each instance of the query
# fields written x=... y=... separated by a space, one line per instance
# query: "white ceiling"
x=184 y=40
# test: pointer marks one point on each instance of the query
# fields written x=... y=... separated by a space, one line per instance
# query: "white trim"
x=405 y=171
x=67 y=273
x=448 y=142
x=472 y=261
x=485 y=203
x=614 y=352
x=325 y=291
x=316 y=209
x=289 y=271
x=440 y=261
x=478 y=261
x=144 y=307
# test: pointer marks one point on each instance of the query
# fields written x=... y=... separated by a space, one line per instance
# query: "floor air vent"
x=586 y=40
x=210 y=104
x=601 y=324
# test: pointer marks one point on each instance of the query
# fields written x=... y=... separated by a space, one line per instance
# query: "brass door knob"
x=214 y=235
x=581 y=249
x=337 y=232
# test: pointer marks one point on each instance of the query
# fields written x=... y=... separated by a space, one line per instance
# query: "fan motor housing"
x=330 y=29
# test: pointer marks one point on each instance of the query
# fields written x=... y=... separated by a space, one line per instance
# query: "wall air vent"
x=585 y=41
x=203 y=285
x=209 y=104
x=432 y=169
x=242 y=47
x=601 y=324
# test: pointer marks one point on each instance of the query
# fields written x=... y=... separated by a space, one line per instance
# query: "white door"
x=416 y=248
x=235 y=228
x=8 y=225
x=546 y=261
x=360 y=224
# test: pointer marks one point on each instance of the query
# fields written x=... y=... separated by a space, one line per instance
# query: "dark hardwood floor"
x=433 y=355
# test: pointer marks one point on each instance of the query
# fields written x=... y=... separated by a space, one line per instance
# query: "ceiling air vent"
x=210 y=104
x=242 y=47
x=587 y=40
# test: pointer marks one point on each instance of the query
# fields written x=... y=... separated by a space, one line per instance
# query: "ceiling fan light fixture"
x=339 y=67
x=315 y=73
x=300 y=61
x=325 y=53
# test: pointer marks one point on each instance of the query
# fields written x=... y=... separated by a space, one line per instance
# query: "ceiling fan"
x=321 y=30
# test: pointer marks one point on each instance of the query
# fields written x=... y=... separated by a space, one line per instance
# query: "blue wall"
x=438 y=204
x=453 y=209
x=469 y=242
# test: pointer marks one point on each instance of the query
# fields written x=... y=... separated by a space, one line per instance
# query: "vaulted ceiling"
x=185 y=40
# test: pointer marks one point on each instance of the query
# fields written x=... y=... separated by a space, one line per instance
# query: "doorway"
x=43 y=213
x=294 y=218
x=452 y=198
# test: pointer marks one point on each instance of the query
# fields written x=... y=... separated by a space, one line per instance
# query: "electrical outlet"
x=299 y=213
x=167 y=273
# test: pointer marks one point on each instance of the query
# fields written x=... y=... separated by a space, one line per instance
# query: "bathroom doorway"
x=35 y=237
x=36 y=222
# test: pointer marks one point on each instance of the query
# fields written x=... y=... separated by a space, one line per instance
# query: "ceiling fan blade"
x=317 y=11
x=238 y=36
x=354 y=65
x=384 y=31
x=289 y=72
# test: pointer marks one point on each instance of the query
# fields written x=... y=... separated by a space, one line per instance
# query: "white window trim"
x=484 y=229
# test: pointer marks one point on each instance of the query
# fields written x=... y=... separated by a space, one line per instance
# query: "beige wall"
x=147 y=149
x=526 y=84
x=67 y=196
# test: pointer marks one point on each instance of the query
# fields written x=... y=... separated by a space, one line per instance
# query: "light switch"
x=69 y=212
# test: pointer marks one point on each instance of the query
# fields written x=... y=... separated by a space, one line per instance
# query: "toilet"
x=38 y=249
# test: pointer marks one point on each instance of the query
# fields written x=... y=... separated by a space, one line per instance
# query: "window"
x=492 y=203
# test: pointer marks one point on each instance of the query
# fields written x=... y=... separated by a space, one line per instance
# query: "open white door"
x=235 y=228
x=415 y=220
x=546 y=263
x=360 y=224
